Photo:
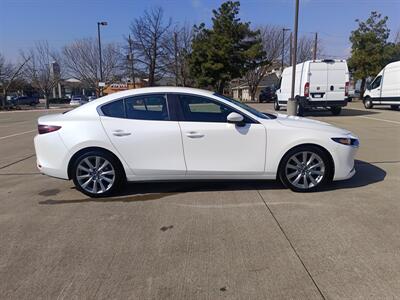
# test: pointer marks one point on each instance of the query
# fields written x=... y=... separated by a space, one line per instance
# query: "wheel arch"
x=326 y=151
x=87 y=149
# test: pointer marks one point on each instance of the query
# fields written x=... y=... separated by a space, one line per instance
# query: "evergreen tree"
x=222 y=53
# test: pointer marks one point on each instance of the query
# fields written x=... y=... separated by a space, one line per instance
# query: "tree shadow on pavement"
x=137 y=192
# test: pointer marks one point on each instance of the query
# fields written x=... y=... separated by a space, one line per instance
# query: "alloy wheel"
x=305 y=170
x=95 y=174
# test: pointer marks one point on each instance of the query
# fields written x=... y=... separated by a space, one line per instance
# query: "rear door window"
x=147 y=107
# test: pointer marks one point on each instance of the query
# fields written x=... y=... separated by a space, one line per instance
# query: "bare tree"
x=148 y=33
x=305 y=48
x=82 y=61
x=38 y=69
x=397 y=38
x=271 y=41
x=8 y=74
x=177 y=48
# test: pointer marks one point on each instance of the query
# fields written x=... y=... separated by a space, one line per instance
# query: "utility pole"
x=315 y=46
x=291 y=104
x=130 y=58
x=291 y=48
x=103 y=23
x=176 y=67
x=283 y=45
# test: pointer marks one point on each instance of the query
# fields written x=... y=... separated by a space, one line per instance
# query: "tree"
x=148 y=32
x=177 y=45
x=82 y=60
x=219 y=54
x=369 y=43
x=9 y=73
x=38 y=69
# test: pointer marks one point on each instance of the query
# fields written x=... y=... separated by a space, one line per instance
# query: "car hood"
x=305 y=123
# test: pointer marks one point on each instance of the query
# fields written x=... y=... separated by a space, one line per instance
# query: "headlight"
x=347 y=141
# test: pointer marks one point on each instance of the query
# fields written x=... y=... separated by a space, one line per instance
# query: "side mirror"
x=235 y=118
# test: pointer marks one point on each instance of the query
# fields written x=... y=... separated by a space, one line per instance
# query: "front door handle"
x=121 y=133
x=194 y=135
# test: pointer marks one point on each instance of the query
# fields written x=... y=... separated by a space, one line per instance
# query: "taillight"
x=47 y=128
x=346 y=89
x=307 y=89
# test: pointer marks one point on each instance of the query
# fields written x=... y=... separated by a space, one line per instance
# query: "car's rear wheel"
x=305 y=169
x=276 y=105
x=368 y=103
x=394 y=107
x=97 y=174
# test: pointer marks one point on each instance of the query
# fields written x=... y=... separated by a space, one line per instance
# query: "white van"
x=385 y=88
x=319 y=84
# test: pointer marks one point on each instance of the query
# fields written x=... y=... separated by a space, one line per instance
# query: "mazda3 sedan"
x=172 y=133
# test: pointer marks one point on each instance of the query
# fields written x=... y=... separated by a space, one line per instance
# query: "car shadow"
x=346 y=112
x=137 y=192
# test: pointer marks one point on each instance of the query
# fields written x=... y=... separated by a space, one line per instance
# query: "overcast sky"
x=23 y=22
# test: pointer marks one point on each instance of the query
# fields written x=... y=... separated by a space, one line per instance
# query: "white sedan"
x=171 y=133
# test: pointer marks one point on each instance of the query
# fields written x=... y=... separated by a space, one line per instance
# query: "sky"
x=23 y=22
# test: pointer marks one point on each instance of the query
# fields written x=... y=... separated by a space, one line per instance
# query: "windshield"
x=248 y=108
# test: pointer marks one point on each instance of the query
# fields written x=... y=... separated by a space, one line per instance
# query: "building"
x=240 y=89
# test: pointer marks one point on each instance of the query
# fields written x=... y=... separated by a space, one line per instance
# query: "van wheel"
x=335 y=110
x=368 y=103
x=394 y=107
x=276 y=105
x=300 y=110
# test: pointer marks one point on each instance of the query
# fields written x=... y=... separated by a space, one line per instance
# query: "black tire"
x=276 y=106
x=368 y=103
x=394 y=107
x=336 y=110
x=115 y=166
x=327 y=169
x=300 y=110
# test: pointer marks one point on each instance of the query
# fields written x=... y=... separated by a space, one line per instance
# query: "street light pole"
x=101 y=60
x=291 y=104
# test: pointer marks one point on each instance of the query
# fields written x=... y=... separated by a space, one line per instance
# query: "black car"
x=24 y=100
x=267 y=94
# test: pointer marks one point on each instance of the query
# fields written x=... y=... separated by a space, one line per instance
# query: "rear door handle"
x=121 y=133
x=194 y=135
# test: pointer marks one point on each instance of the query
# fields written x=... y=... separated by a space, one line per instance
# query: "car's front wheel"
x=305 y=169
x=97 y=174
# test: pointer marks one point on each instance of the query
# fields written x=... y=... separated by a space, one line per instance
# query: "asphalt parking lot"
x=229 y=240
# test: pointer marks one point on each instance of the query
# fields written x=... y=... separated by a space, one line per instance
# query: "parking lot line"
x=378 y=119
x=16 y=134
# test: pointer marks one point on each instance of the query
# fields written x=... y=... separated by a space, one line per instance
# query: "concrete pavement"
x=228 y=240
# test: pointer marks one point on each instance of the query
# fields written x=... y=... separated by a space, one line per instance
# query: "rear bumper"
x=50 y=155
x=312 y=103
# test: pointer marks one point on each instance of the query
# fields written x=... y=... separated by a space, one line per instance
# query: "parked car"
x=267 y=94
x=353 y=93
x=385 y=88
x=24 y=100
x=174 y=133
x=78 y=100
x=318 y=84
x=91 y=98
